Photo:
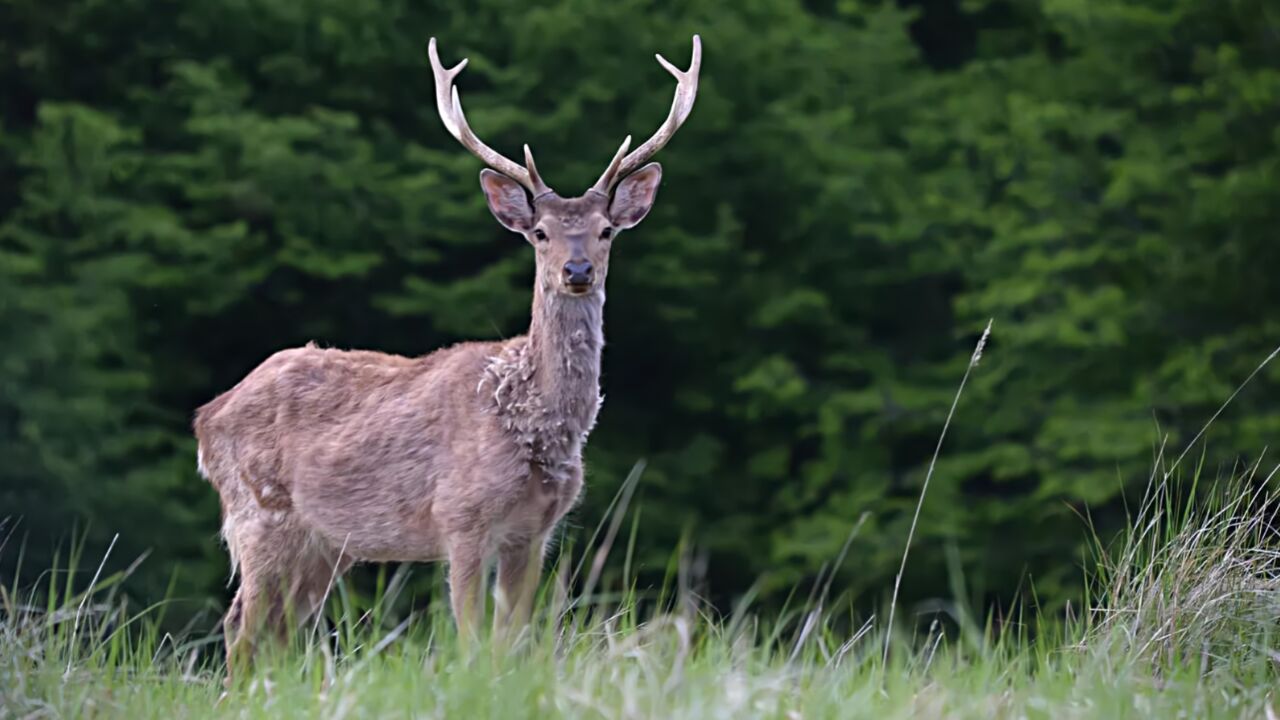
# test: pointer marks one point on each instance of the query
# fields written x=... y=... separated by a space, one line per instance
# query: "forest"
x=186 y=188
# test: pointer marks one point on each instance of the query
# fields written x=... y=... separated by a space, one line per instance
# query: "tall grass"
x=1181 y=620
x=1196 y=576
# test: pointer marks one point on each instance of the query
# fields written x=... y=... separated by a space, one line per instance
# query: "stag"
x=325 y=457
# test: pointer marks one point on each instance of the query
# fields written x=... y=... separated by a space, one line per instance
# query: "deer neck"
x=545 y=386
x=566 y=336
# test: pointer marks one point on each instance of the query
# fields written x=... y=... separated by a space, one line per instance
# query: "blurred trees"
x=187 y=187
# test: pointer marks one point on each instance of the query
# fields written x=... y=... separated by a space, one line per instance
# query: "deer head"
x=572 y=236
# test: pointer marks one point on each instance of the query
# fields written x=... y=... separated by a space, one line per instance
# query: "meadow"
x=1183 y=624
x=1179 y=620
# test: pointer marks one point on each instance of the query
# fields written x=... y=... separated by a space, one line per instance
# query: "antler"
x=450 y=107
x=681 y=105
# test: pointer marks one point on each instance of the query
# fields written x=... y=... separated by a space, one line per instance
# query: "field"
x=1181 y=622
x=1181 y=619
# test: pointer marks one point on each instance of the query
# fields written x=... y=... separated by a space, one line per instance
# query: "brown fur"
x=322 y=457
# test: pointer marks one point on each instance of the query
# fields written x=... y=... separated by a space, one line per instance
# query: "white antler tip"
x=434 y=54
x=457 y=104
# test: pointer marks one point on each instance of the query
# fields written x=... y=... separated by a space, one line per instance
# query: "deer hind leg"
x=285 y=573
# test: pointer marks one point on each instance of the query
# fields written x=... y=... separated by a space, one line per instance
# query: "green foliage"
x=185 y=189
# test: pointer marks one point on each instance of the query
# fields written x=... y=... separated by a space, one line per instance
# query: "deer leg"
x=232 y=620
x=242 y=625
x=519 y=569
x=309 y=588
x=284 y=578
x=466 y=575
x=232 y=623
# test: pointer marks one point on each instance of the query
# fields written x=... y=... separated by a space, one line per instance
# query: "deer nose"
x=578 y=272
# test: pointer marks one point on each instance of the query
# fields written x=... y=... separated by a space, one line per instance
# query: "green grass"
x=1183 y=622
x=1181 y=619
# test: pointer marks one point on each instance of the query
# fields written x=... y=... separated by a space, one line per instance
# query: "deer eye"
x=542 y=236
x=606 y=233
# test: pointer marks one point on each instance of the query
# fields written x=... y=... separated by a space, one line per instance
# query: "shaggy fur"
x=322 y=457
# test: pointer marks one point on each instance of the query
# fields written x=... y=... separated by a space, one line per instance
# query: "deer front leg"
x=519 y=569
x=466 y=573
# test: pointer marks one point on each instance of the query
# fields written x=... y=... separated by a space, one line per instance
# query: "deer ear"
x=507 y=201
x=634 y=196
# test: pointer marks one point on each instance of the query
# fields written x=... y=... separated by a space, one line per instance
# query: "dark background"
x=187 y=187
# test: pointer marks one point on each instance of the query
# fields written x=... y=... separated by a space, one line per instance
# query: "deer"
x=323 y=457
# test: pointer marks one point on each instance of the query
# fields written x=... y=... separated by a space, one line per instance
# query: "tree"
x=861 y=186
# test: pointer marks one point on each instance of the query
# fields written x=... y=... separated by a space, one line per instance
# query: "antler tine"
x=606 y=180
x=449 y=105
x=539 y=187
x=681 y=106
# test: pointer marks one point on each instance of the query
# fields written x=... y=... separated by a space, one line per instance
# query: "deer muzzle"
x=578 y=274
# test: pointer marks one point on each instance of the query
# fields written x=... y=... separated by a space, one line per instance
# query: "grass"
x=1182 y=619
x=1183 y=623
